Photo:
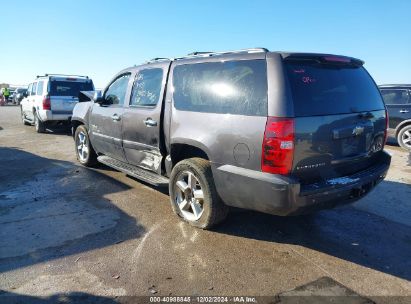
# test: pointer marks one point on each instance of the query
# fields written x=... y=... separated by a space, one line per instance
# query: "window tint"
x=40 y=88
x=322 y=89
x=116 y=92
x=147 y=87
x=395 y=96
x=29 y=89
x=234 y=87
x=33 y=89
x=69 y=88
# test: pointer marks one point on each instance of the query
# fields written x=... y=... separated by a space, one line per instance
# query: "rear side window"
x=69 y=88
x=147 y=87
x=322 y=89
x=40 y=88
x=33 y=89
x=231 y=87
x=396 y=96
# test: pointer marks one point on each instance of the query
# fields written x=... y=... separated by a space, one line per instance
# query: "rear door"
x=32 y=99
x=106 y=118
x=398 y=104
x=339 y=117
x=142 y=118
x=63 y=92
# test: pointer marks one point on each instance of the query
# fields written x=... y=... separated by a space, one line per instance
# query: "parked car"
x=18 y=95
x=397 y=98
x=281 y=133
x=50 y=99
x=12 y=91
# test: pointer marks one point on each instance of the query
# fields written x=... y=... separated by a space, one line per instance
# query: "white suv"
x=50 y=99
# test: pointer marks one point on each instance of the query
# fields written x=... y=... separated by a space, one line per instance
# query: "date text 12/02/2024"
x=203 y=299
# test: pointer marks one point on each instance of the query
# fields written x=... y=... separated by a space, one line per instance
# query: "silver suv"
x=50 y=99
x=280 y=133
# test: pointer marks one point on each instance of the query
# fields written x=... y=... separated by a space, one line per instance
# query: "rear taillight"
x=46 y=103
x=278 y=146
x=386 y=126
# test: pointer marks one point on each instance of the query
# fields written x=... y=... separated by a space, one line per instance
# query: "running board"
x=139 y=173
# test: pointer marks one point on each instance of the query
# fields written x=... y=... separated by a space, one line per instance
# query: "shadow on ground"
x=51 y=209
x=66 y=298
x=347 y=233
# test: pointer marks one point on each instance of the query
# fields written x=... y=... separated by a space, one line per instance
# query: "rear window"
x=322 y=89
x=69 y=88
x=230 y=87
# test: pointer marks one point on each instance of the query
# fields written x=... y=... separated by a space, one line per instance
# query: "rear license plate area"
x=350 y=146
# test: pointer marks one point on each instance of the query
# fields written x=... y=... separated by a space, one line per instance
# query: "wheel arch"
x=402 y=125
x=75 y=124
x=180 y=151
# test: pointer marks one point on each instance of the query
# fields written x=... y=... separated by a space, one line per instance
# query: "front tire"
x=404 y=137
x=84 y=150
x=38 y=124
x=193 y=194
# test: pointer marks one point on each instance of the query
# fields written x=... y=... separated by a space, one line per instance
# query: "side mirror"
x=97 y=97
x=25 y=94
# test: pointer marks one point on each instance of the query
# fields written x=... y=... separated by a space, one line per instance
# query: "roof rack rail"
x=209 y=54
x=46 y=75
x=199 y=53
x=158 y=59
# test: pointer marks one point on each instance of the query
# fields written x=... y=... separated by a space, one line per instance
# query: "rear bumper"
x=279 y=195
x=48 y=115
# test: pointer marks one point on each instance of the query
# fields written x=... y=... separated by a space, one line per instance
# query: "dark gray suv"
x=397 y=98
x=280 y=133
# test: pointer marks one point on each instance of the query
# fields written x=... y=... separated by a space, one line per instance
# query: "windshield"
x=69 y=88
x=322 y=89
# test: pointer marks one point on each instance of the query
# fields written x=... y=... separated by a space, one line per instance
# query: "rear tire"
x=404 y=137
x=38 y=124
x=84 y=150
x=193 y=194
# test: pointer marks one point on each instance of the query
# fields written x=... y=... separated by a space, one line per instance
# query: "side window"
x=232 y=87
x=33 y=89
x=116 y=92
x=29 y=89
x=147 y=87
x=40 y=88
x=395 y=96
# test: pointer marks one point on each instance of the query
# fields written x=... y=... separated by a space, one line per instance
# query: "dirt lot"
x=65 y=229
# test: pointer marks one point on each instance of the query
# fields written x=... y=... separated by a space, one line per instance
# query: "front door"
x=142 y=118
x=398 y=104
x=106 y=119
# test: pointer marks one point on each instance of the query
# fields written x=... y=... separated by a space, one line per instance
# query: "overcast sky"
x=99 y=38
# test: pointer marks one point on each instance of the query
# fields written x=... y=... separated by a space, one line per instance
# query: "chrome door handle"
x=404 y=111
x=115 y=117
x=150 y=123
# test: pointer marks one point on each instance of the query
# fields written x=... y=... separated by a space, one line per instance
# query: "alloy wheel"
x=406 y=138
x=82 y=146
x=189 y=196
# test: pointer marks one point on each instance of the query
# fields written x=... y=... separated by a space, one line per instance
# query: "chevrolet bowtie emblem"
x=357 y=131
